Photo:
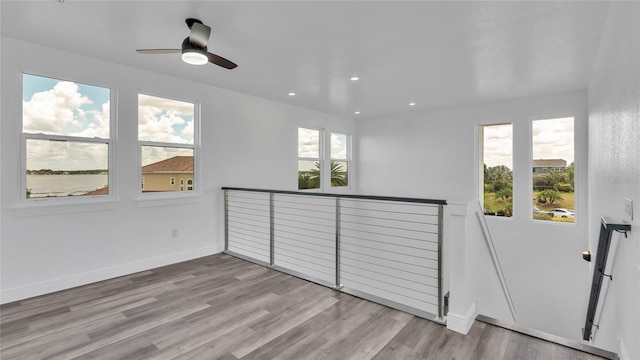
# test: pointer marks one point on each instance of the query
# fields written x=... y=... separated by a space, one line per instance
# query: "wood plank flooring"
x=221 y=307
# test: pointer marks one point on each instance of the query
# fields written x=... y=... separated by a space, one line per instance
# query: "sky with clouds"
x=166 y=121
x=551 y=139
x=309 y=147
x=55 y=107
x=309 y=144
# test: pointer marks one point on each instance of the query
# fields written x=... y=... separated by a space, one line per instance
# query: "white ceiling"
x=435 y=54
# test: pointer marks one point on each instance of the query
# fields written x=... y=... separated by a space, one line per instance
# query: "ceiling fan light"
x=194 y=57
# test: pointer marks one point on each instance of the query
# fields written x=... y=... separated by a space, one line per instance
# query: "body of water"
x=64 y=185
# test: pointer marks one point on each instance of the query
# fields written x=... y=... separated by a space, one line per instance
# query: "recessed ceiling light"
x=354 y=78
x=412 y=104
x=357 y=112
x=292 y=94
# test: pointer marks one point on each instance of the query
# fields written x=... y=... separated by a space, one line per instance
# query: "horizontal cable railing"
x=385 y=249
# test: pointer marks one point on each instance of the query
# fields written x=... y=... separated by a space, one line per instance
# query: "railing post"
x=271 y=232
x=440 y=217
x=226 y=220
x=338 y=281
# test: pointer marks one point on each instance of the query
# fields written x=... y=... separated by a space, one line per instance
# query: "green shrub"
x=563 y=187
x=501 y=184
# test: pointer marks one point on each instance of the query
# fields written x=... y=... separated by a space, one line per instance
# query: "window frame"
x=195 y=147
x=348 y=160
x=480 y=164
x=111 y=142
x=576 y=156
x=320 y=159
x=522 y=146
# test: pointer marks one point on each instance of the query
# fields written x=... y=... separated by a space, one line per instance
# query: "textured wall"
x=614 y=173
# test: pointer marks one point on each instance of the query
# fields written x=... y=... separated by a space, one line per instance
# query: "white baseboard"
x=462 y=323
x=67 y=282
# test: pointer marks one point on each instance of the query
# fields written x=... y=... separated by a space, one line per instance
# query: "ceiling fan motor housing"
x=193 y=54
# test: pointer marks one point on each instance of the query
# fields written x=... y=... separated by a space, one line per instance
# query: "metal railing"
x=385 y=249
x=607 y=227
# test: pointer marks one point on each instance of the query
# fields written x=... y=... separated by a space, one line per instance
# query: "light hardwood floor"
x=220 y=307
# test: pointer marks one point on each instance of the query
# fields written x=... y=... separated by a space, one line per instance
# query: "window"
x=309 y=163
x=340 y=159
x=166 y=132
x=496 y=149
x=553 y=169
x=66 y=129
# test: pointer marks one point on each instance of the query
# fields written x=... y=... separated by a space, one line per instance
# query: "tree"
x=571 y=171
x=314 y=177
x=549 y=196
x=338 y=176
x=550 y=179
x=504 y=194
x=495 y=173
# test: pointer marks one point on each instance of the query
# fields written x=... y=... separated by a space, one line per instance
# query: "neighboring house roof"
x=174 y=164
x=550 y=163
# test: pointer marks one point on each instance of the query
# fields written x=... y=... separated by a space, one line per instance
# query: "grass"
x=495 y=204
x=567 y=202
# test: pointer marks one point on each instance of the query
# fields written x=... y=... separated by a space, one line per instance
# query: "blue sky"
x=56 y=107
x=52 y=106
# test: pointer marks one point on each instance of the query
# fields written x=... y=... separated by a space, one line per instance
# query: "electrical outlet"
x=628 y=208
x=174 y=233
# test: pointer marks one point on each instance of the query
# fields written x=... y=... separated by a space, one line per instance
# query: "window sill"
x=48 y=207
x=153 y=200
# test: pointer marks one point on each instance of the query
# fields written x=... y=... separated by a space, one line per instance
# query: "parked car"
x=565 y=213
x=538 y=211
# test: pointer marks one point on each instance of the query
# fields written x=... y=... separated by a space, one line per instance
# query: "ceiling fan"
x=194 y=48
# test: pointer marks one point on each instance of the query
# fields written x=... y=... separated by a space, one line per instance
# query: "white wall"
x=433 y=155
x=614 y=173
x=246 y=141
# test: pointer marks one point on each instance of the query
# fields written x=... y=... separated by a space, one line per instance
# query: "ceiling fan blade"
x=158 y=51
x=220 y=61
x=199 y=34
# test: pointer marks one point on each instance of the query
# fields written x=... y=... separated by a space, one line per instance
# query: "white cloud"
x=553 y=139
x=55 y=110
x=64 y=110
x=174 y=106
x=338 y=146
x=99 y=127
x=308 y=143
x=56 y=155
x=498 y=145
x=165 y=120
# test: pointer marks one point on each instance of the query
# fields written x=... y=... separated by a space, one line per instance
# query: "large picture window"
x=309 y=162
x=553 y=169
x=66 y=138
x=340 y=159
x=497 y=174
x=166 y=131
